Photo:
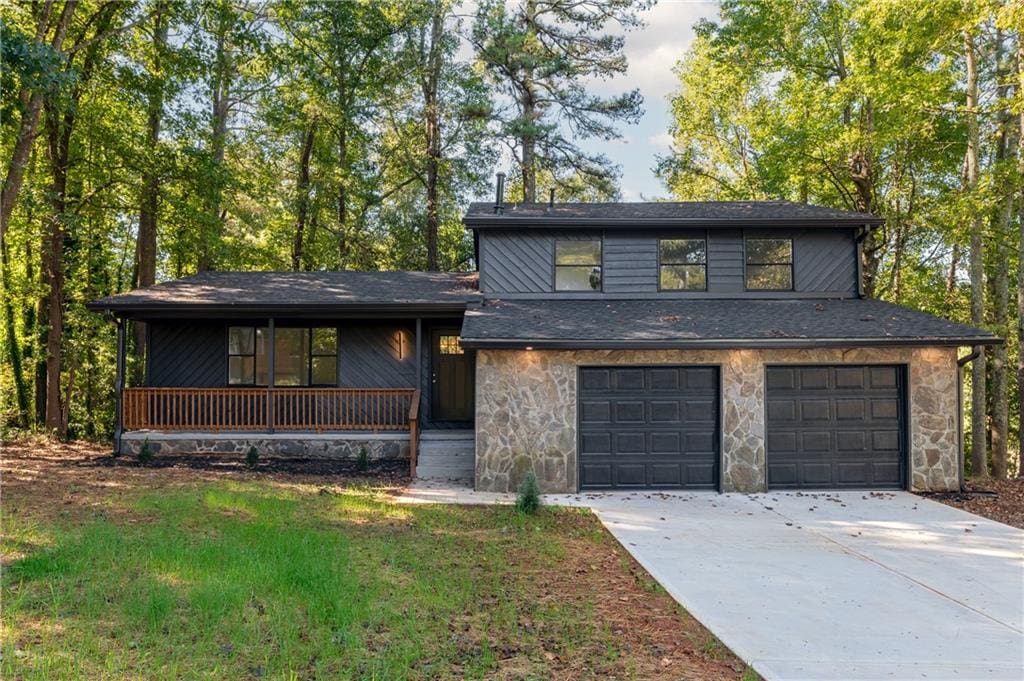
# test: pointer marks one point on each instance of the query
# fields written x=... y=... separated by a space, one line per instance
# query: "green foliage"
x=363 y=459
x=252 y=457
x=145 y=454
x=528 y=497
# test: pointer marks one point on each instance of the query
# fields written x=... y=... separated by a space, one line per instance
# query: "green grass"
x=251 y=580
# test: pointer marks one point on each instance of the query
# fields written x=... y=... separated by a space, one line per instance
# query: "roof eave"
x=720 y=343
x=506 y=220
x=236 y=309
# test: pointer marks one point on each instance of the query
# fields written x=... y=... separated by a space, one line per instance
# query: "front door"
x=452 y=379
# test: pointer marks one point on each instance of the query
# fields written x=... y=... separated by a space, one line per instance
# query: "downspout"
x=960 y=364
x=858 y=254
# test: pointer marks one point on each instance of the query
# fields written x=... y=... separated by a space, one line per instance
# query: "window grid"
x=578 y=265
x=682 y=265
x=757 y=270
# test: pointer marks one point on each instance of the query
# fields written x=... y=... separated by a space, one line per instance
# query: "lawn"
x=115 y=571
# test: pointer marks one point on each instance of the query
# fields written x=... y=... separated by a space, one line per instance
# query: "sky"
x=652 y=52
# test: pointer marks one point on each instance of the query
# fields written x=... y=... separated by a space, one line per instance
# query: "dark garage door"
x=648 y=427
x=835 y=427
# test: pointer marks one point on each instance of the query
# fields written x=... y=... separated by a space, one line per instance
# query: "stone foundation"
x=526 y=410
x=378 y=447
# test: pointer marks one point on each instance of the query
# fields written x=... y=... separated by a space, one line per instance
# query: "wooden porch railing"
x=286 y=409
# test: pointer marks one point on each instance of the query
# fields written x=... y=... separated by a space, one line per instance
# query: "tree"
x=540 y=54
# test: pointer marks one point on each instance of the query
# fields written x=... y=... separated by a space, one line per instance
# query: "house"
x=706 y=345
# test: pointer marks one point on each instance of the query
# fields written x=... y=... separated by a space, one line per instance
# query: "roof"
x=665 y=213
x=751 y=323
x=298 y=292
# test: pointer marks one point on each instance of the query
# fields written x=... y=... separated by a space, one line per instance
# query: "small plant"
x=363 y=460
x=252 y=457
x=528 y=500
x=145 y=452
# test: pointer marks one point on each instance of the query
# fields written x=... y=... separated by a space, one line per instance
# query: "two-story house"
x=707 y=345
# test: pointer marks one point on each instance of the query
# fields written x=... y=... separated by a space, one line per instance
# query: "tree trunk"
x=343 y=196
x=58 y=141
x=433 y=133
x=13 y=345
x=302 y=188
x=528 y=107
x=223 y=74
x=1020 y=261
x=145 y=250
x=1001 y=281
x=979 y=457
x=33 y=107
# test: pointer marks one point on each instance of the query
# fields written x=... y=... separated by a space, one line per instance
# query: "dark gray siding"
x=189 y=354
x=627 y=264
x=520 y=263
x=193 y=354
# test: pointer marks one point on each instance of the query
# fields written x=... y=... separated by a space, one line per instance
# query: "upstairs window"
x=769 y=264
x=302 y=356
x=578 y=265
x=682 y=265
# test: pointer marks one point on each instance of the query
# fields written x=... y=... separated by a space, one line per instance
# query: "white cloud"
x=662 y=141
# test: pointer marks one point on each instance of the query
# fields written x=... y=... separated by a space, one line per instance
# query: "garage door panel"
x=815 y=410
x=648 y=427
x=848 y=422
x=595 y=379
x=595 y=411
x=628 y=380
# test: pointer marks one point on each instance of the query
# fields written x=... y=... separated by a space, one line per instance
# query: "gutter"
x=510 y=220
x=961 y=364
x=717 y=343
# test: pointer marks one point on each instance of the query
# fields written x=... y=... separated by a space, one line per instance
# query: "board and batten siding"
x=521 y=262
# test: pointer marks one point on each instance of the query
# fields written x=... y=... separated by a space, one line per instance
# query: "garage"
x=838 y=426
x=648 y=427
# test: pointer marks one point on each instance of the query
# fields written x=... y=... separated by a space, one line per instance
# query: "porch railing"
x=285 y=409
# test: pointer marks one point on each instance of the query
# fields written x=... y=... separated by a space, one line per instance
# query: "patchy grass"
x=128 y=573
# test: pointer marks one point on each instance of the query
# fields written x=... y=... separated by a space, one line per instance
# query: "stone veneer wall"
x=292 y=447
x=526 y=410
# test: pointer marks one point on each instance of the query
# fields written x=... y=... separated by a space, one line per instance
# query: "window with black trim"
x=578 y=265
x=682 y=264
x=302 y=356
x=769 y=264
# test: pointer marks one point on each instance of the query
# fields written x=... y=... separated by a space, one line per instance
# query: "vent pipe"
x=499 y=195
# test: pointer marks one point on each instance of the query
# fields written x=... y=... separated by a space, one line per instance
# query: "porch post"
x=119 y=386
x=419 y=353
x=270 y=374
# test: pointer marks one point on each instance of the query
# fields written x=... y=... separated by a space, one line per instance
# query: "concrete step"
x=446 y=455
x=446 y=435
x=444 y=473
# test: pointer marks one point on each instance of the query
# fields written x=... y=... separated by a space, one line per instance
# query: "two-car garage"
x=827 y=426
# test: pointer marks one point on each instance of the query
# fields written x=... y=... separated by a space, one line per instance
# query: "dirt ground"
x=1001 y=500
x=69 y=482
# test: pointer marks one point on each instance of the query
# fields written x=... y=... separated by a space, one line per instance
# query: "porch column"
x=119 y=386
x=270 y=374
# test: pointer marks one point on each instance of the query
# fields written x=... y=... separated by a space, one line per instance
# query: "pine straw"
x=1005 y=504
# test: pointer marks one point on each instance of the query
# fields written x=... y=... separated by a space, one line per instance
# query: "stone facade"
x=290 y=447
x=526 y=410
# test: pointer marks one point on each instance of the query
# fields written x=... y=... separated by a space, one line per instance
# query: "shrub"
x=145 y=452
x=363 y=460
x=252 y=457
x=528 y=500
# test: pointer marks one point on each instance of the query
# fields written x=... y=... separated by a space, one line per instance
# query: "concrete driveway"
x=848 y=585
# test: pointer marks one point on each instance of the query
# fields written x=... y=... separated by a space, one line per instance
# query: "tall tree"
x=149 y=196
x=979 y=448
x=540 y=54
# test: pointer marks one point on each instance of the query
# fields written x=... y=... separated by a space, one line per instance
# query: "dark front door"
x=835 y=426
x=653 y=426
x=452 y=379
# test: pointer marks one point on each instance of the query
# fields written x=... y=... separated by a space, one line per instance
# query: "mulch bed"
x=1000 y=500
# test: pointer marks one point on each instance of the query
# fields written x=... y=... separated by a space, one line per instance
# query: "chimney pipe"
x=551 y=198
x=499 y=197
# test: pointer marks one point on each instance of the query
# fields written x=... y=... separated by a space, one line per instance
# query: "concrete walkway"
x=848 y=585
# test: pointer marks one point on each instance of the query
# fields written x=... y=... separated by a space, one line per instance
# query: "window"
x=242 y=355
x=682 y=265
x=302 y=356
x=450 y=345
x=578 y=265
x=770 y=264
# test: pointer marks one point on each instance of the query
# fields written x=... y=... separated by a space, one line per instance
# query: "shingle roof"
x=696 y=213
x=590 y=324
x=262 y=291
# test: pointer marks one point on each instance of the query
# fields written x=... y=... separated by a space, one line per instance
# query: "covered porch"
x=322 y=376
